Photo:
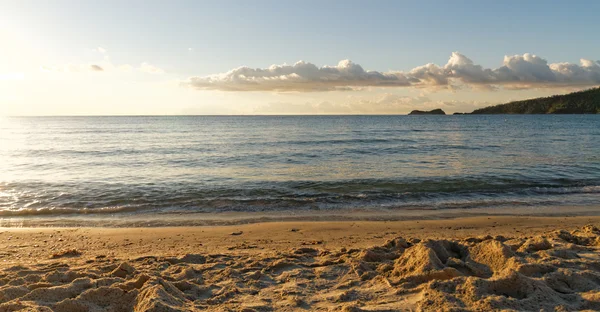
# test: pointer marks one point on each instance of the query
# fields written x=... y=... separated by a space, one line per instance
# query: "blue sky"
x=197 y=38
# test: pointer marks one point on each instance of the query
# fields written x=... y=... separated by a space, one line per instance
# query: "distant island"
x=431 y=112
x=582 y=102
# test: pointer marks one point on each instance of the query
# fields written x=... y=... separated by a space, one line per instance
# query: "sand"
x=464 y=264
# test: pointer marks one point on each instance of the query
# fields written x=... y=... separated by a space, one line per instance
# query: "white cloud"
x=73 y=68
x=125 y=68
x=150 y=69
x=518 y=71
x=104 y=66
x=302 y=76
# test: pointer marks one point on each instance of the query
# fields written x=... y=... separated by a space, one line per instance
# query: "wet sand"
x=472 y=264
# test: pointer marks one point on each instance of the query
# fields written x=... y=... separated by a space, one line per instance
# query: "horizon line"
x=211 y=115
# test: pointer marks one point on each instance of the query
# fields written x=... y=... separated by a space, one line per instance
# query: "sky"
x=290 y=57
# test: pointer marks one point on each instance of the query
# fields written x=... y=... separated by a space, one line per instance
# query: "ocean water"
x=198 y=166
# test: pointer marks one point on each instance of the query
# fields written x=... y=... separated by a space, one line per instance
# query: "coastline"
x=151 y=220
x=282 y=265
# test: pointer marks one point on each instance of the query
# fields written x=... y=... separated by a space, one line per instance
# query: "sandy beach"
x=463 y=264
x=262 y=156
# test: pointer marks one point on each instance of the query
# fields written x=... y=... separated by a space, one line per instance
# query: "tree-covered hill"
x=582 y=102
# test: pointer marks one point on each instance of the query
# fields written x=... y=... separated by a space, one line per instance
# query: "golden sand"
x=470 y=264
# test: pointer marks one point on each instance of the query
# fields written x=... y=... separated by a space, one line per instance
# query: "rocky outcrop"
x=431 y=112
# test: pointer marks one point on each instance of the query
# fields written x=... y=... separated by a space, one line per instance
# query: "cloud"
x=150 y=69
x=73 y=68
x=106 y=66
x=302 y=76
x=95 y=67
x=125 y=68
x=518 y=71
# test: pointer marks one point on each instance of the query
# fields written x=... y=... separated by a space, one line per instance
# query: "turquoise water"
x=147 y=166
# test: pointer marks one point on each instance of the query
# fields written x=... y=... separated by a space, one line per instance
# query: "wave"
x=53 y=211
x=39 y=198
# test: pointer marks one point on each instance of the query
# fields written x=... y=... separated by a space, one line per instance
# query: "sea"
x=206 y=170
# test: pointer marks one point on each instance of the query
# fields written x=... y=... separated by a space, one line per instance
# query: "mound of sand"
x=558 y=271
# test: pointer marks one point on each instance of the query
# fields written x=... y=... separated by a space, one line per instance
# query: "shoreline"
x=237 y=218
x=283 y=234
x=315 y=265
